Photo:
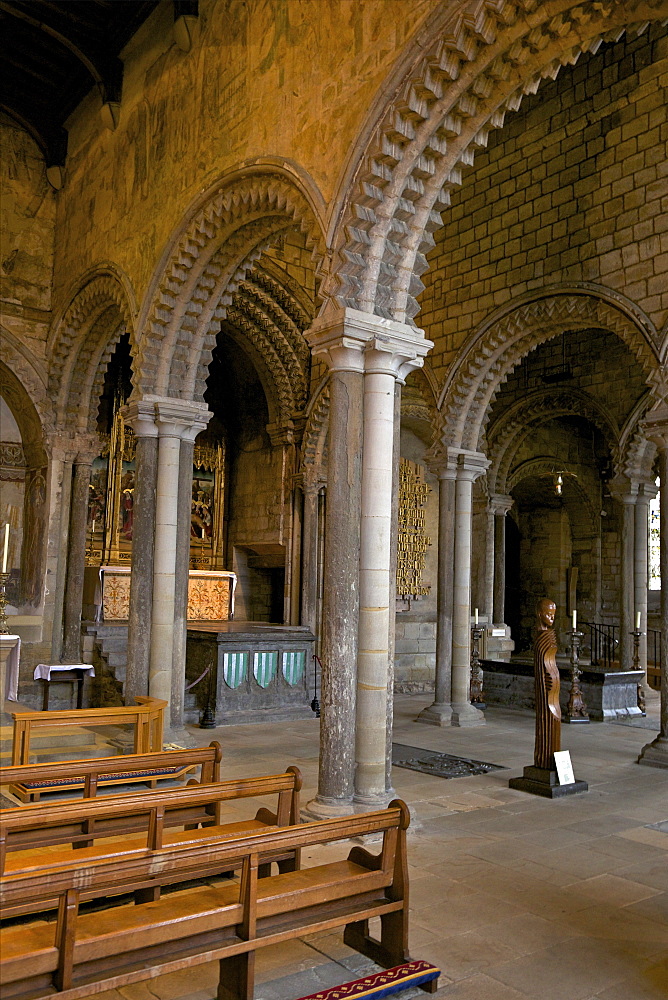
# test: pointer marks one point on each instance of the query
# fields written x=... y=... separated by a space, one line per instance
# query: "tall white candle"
x=4 y=553
x=575 y=619
x=476 y=616
x=638 y=620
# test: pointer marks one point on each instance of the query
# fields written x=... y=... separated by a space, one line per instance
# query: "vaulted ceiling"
x=52 y=54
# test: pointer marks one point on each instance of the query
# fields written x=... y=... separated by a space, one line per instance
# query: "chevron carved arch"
x=500 y=345
x=207 y=262
x=315 y=437
x=509 y=432
x=475 y=66
x=80 y=346
x=31 y=375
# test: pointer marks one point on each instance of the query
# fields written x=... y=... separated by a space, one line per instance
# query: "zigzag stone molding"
x=491 y=55
x=502 y=345
x=211 y=257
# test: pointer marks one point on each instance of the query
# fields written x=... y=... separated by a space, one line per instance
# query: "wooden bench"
x=142 y=820
x=84 y=953
x=146 y=718
x=29 y=781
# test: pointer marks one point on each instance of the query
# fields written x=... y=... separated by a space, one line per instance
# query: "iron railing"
x=603 y=643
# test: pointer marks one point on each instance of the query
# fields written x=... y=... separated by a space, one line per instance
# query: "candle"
x=92 y=530
x=476 y=615
x=575 y=619
x=4 y=554
x=638 y=620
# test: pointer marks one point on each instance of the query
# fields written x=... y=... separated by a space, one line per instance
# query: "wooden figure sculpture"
x=546 y=678
x=541 y=778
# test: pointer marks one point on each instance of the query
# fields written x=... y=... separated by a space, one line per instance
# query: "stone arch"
x=636 y=454
x=81 y=344
x=470 y=68
x=544 y=466
x=315 y=437
x=31 y=376
x=511 y=333
x=510 y=431
x=203 y=268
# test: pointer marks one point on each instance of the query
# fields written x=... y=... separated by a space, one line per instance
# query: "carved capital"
x=623 y=489
x=470 y=465
x=500 y=503
x=140 y=417
x=171 y=417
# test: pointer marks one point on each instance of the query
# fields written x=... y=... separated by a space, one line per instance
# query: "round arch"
x=207 y=260
x=470 y=69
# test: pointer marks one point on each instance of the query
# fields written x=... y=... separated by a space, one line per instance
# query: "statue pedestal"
x=540 y=781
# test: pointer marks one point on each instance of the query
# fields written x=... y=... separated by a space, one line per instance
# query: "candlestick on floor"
x=637 y=634
x=576 y=710
x=4 y=630
x=477 y=699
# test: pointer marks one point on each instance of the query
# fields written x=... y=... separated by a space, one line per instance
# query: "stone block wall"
x=573 y=188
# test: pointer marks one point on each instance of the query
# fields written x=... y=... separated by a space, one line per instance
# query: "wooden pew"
x=83 y=953
x=146 y=718
x=29 y=781
x=142 y=820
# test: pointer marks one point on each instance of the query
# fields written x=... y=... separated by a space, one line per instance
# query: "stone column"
x=310 y=543
x=440 y=712
x=340 y=570
x=655 y=753
x=176 y=420
x=76 y=552
x=355 y=342
x=641 y=559
x=140 y=417
x=625 y=492
x=182 y=574
x=500 y=505
x=60 y=492
x=470 y=465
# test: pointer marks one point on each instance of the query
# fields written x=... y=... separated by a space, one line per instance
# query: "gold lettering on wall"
x=413 y=539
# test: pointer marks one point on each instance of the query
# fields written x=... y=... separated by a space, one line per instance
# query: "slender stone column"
x=181 y=575
x=355 y=342
x=470 y=465
x=500 y=505
x=440 y=712
x=140 y=417
x=310 y=544
x=490 y=562
x=641 y=573
x=656 y=753
x=61 y=483
x=76 y=553
x=175 y=419
x=394 y=548
x=625 y=492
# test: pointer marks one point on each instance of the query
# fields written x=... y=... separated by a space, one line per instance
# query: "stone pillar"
x=60 y=475
x=394 y=548
x=641 y=559
x=310 y=544
x=470 y=465
x=140 y=417
x=182 y=574
x=625 y=492
x=176 y=420
x=384 y=351
x=490 y=562
x=76 y=552
x=500 y=505
x=655 y=753
x=440 y=712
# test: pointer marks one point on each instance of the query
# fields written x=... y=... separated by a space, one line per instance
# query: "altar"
x=210 y=594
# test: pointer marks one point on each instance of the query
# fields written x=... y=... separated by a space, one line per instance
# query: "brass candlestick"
x=4 y=577
x=576 y=710
x=476 y=673
x=637 y=633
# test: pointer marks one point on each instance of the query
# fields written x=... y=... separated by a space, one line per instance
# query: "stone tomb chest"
x=256 y=671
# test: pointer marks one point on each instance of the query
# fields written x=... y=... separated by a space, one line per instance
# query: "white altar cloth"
x=43 y=671
x=11 y=692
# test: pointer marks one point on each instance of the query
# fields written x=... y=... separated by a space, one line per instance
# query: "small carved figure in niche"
x=127 y=505
x=546 y=675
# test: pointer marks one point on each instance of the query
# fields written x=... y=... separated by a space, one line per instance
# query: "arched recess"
x=80 y=346
x=471 y=66
x=518 y=422
x=34 y=506
x=510 y=334
x=204 y=268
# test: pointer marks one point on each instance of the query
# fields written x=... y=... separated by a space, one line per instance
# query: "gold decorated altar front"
x=210 y=594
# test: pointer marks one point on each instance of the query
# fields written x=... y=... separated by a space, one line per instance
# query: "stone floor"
x=513 y=896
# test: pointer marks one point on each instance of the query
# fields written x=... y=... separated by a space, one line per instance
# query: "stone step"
x=57 y=738
x=52 y=755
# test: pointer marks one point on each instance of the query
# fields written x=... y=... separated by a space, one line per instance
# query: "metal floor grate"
x=441 y=765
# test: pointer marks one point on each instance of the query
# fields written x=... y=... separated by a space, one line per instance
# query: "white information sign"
x=562 y=759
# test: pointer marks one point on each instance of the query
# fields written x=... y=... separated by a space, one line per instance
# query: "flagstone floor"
x=514 y=897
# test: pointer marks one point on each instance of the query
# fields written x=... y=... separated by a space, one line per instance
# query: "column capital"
x=350 y=340
x=500 y=503
x=140 y=418
x=170 y=417
x=470 y=465
x=655 y=425
x=624 y=489
x=281 y=433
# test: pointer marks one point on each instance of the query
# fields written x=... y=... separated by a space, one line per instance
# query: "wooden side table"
x=74 y=673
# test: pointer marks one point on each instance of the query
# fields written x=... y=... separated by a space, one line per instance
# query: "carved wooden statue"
x=546 y=674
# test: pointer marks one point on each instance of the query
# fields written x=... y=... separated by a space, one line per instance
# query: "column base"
x=465 y=716
x=322 y=807
x=540 y=781
x=370 y=803
x=180 y=736
x=655 y=754
x=436 y=715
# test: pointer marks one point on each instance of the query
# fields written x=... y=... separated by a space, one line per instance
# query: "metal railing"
x=603 y=643
x=654 y=658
